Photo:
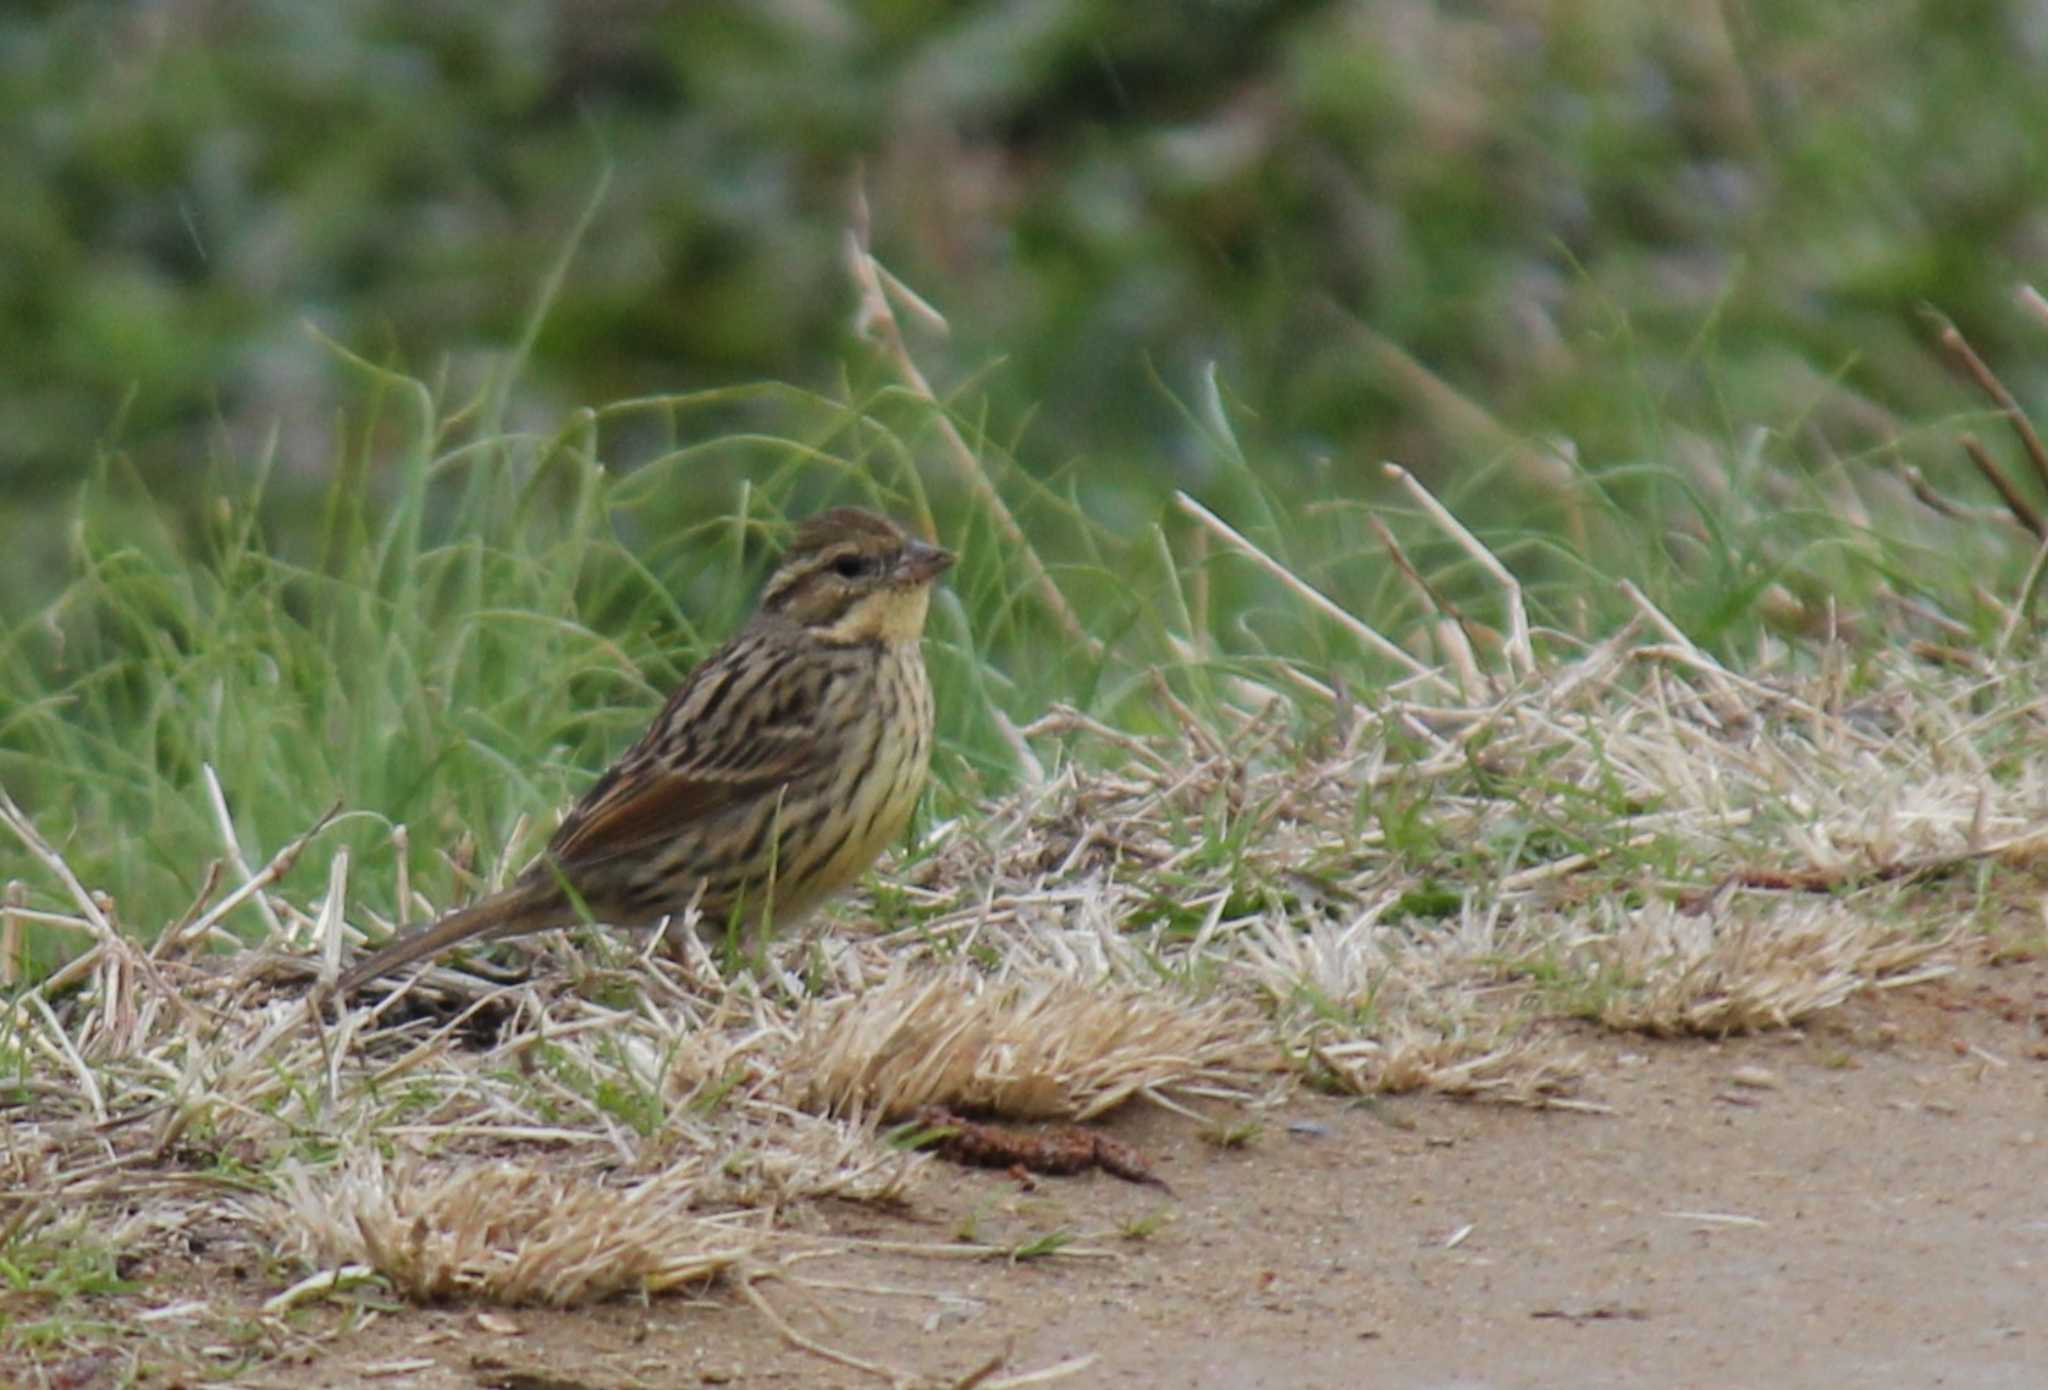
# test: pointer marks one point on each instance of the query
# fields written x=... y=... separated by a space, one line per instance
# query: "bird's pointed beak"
x=923 y=562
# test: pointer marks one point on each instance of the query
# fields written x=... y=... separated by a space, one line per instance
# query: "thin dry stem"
x=2024 y=605
x=217 y=802
x=1958 y=347
x=89 y=909
x=2021 y=510
x=1314 y=597
x=252 y=889
x=746 y=1285
x=878 y=322
x=1521 y=656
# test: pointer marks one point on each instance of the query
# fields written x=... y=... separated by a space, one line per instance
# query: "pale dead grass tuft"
x=507 y=1232
x=1048 y=1047
x=777 y=1159
x=1474 y=1060
x=1757 y=967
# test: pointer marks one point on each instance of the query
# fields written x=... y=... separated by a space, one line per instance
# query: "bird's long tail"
x=512 y=912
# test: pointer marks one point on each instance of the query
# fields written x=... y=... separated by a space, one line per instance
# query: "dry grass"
x=1121 y=954
x=1043 y=1048
x=1749 y=970
x=1426 y=894
x=508 y=1232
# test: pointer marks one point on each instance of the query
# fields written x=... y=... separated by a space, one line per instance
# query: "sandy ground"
x=1859 y=1203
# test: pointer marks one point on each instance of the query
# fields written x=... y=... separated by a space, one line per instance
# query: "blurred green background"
x=1573 y=214
x=1637 y=289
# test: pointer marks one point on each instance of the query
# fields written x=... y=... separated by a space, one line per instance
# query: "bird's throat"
x=887 y=615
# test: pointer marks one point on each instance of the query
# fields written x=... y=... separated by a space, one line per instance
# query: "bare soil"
x=1858 y=1203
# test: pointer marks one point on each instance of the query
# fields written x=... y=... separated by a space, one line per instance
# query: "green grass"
x=59 y=1263
x=47 y=1276
x=481 y=620
x=480 y=626
x=1040 y=1246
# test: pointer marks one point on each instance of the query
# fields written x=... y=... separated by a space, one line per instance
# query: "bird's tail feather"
x=513 y=912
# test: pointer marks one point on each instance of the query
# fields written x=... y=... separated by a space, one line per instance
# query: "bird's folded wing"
x=653 y=795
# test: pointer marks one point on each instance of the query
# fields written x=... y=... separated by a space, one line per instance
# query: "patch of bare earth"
x=1854 y=1203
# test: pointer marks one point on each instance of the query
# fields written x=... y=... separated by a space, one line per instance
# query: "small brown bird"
x=787 y=761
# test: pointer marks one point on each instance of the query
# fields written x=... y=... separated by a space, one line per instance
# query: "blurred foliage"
x=1735 y=206
x=1634 y=289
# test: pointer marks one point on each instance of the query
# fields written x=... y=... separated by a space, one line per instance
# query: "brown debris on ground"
x=1059 y=1149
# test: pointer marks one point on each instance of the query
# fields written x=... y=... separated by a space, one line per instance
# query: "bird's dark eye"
x=852 y=566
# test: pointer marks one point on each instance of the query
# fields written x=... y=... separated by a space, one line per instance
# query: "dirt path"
x=1858 y=1204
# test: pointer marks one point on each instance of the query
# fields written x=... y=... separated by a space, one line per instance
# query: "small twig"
x=963 y=1250
x=1839 y=880
x=11 y=931
x=1959 y=348
x=1193 y=728
x=1457 y=636
x=1315 y=597
x=2024 y=604
x=316 y=1285
x=218 y=800
x=1521 y=656
x=1956 y=658
x=401 y=846
x=1424 y=590
x=1557 y=868
x=72 y=1059
x=88 y=906
x=2007 y=493
x=920 y=308
x=1061 y=719
x=744 y=1281
x=1717 y=1218
x=1916 y=483
x=1044 y=1375
x=980 y=1374
x=73 y=970
x=280 y=864
x=207 y=887
x=1600 y=1313
x=1926 y=613
x=2031 y=300
x=1027 y=762
x=332 y=915
x=1456 y=646
x=1729 y=706
x=1990 y=600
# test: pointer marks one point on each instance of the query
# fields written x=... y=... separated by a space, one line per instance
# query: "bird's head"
x=852 y=576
